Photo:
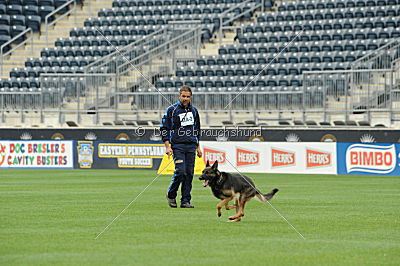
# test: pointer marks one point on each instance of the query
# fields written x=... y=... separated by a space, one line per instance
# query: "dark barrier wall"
x=381 y=135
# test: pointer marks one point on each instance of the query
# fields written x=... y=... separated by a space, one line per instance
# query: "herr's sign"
x=213 y=155
x=318 y=158
x=247 y=157
x=282 y=158
x=272 y=157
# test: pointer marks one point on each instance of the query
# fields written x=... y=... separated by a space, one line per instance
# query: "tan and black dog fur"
x=227 y=187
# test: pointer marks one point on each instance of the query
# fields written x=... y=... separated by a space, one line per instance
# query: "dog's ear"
x=208 y=163
x=215 y=165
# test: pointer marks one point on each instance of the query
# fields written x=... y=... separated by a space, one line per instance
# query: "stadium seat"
x=339 y=123
x=71 y=124
x=14 y=10
x=33 y=22
x=311 y=123
x=364 y=124
x=350 y=123
x=325 y=123
x=4 y=30
x=298 y=123
x=15 y=30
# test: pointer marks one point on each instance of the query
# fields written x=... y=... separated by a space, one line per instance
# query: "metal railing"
x=102 y=92
x=71 y=92
x=252 y=103
x=370 y=85
x=108 y=63
x=140 y=64
x=3 y=55
x=21 y=102
x=379 y=58
x=53 y=13
x=56 y=102
x=395 y=92
x=226 y=24
x=184 y=45
x=349 y=92
x=343 y=95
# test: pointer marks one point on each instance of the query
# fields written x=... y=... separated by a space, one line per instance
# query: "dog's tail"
x=266 y=197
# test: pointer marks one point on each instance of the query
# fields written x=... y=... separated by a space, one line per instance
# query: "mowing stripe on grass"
x=294 y=228
x=130 y=203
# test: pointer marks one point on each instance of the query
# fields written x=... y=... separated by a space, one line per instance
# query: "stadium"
x=302 y=95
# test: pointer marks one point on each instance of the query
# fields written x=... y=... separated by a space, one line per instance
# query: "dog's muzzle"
x=205 y=181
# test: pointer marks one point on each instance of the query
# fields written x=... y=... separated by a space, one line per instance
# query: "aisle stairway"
x=60 y=30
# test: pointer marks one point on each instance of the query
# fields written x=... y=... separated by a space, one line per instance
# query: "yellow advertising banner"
x=167 y=166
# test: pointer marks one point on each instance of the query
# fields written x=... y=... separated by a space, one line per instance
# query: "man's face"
x=185 y=97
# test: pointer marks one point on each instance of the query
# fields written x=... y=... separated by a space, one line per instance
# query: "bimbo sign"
x=358 y=158
x=370 y=158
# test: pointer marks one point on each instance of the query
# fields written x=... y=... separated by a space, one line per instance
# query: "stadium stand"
x=122 y=25
x=17 y=15
x=272 y=53
x=331 y=39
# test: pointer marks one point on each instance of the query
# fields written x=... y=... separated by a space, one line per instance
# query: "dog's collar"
x=220 y=179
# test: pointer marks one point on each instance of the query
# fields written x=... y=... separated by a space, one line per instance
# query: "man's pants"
x=184 y=158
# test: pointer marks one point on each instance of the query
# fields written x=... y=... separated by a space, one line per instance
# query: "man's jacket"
x=180 y=125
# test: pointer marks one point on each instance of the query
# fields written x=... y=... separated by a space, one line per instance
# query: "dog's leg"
x=239 y=206
x=224 y=202
x=238 y=219
x=233 y=217
x=227 y=207
x=244 y=203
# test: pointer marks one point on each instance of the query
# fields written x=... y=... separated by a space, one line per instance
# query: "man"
x=180 y=132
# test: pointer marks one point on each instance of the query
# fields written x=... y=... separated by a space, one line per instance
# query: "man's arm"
x=198 y=128
x=168 y=149
x=165 y=131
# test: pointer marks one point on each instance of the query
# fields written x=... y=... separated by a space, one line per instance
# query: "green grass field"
x=52 y=217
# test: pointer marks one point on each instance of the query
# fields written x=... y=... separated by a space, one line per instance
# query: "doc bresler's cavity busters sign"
x=36 y=154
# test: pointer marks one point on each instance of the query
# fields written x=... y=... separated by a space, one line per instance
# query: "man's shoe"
x=186 y=205
x=172 y=202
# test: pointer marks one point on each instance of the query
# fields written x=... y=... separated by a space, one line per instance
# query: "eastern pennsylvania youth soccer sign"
x=375 y=159
x=131 y=155
x=36 y=154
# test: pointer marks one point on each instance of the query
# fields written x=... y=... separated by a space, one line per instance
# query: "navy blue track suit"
x=181 y=127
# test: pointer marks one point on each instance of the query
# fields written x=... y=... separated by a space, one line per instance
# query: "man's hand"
x=199 y=153
x=168 y=150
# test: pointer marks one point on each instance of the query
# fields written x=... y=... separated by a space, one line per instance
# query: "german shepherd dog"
x=227 y=187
